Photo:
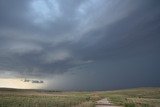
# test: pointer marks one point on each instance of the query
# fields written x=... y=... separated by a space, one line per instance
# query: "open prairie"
x=140 y=97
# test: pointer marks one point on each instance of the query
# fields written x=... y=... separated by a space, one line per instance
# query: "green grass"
x=34 y=98
x=141 y=97
x=129 y=105
x=40 y=101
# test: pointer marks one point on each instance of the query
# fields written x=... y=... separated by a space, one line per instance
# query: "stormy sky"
x=81 y=44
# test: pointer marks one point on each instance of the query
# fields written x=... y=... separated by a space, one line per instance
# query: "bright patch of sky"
x=45 y=10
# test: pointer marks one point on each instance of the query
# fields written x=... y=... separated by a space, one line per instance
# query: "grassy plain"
x=139 y=97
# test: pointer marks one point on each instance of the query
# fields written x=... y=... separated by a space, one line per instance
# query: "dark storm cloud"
x=48 y=37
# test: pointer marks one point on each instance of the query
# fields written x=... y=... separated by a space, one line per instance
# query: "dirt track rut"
x=105 y=103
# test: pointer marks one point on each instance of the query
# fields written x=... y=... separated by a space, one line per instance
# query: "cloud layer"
x=55 y=37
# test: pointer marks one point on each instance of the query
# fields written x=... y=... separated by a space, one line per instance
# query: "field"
x=140 y=97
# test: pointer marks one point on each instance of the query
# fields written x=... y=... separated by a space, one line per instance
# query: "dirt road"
x=105 y=103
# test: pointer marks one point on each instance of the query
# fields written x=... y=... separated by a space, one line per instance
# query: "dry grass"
x=142 y=97
x=32 y=98
x=85 y=104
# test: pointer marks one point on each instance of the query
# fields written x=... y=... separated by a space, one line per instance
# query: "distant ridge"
x=43 y=90
x=35 y=90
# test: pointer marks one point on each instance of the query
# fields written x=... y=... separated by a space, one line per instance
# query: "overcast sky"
x=81 y=44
